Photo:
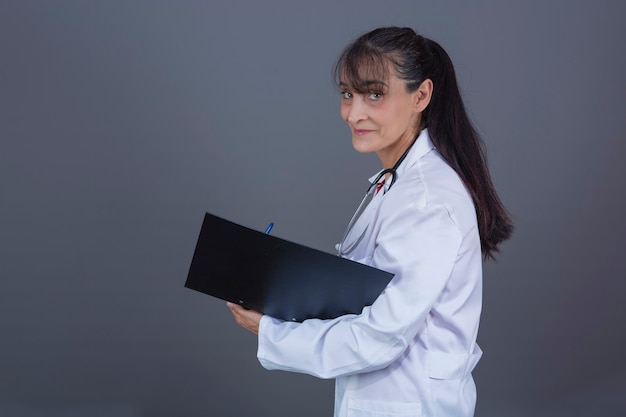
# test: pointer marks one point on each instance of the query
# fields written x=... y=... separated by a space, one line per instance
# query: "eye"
x=375 y=96
x=346 y=95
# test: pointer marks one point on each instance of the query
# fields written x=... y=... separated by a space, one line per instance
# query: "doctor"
x=430 y=217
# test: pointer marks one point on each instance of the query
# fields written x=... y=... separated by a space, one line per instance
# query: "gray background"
x=122 y=122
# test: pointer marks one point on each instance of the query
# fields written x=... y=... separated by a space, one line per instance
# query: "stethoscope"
x=358 y=223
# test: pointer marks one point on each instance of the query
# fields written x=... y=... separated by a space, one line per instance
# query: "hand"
x=248 y=319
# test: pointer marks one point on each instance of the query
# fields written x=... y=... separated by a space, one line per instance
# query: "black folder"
x=277 y=277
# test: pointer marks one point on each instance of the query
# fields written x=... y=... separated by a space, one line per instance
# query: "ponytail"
x=460 y=145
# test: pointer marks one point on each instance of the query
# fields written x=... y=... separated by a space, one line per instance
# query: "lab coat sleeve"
x=419 y=244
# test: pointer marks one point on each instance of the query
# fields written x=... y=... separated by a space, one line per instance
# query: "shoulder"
x=430 y=184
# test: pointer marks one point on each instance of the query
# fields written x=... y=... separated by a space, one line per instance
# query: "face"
x=384 y=120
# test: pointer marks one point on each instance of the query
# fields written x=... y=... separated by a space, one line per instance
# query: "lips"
x=361 y=131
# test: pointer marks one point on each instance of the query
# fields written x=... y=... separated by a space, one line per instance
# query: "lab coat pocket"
x=453 y=392
x=368 y=408
x=443 y=365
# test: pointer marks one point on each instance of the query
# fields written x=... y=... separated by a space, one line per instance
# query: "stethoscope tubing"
x=369 y=195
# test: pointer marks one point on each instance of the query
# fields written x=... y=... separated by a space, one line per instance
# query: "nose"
x=356 y=111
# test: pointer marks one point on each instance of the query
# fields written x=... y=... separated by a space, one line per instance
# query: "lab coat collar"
x=423 y=144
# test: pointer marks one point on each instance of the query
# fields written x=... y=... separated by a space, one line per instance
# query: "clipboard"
x=277 y=277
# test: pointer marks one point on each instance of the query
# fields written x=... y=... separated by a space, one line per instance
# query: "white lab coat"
x=411 y=353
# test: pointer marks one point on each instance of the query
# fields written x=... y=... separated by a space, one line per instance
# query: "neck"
x=391 y=158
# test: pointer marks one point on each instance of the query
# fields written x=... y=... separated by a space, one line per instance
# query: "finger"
x=235 y=308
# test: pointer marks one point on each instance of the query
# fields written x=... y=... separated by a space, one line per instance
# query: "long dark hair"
x=415 y=58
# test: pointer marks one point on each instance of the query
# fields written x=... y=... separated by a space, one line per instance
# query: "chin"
x=361 y=146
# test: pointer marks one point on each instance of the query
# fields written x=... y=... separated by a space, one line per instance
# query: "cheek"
x=344 y=111
x=396 y=119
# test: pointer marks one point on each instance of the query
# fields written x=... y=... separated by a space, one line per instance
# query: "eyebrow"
x=366 y=83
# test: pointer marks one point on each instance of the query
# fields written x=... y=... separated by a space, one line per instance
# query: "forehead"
x=360 y=67
x=366 y=83
x=365 y=76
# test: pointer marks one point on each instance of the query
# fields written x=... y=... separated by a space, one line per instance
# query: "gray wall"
x=122 y=122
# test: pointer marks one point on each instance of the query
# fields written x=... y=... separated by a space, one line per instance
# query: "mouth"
x=360 y=132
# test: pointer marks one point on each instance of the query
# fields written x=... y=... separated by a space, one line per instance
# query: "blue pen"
x=269 y=227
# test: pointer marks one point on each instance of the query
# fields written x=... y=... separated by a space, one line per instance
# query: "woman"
x=427 y=218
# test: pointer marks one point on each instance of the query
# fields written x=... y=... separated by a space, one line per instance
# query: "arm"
x=419 y=245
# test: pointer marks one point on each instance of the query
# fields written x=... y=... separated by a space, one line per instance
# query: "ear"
x=422 y=95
